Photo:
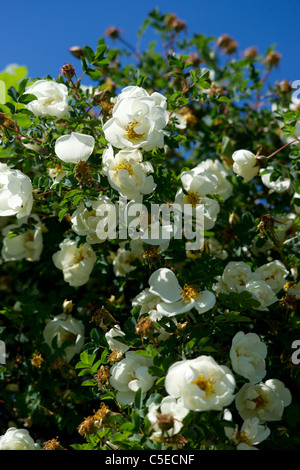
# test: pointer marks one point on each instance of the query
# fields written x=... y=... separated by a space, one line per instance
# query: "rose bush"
x=118 y=334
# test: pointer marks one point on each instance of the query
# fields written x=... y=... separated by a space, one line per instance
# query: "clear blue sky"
x=38 y=34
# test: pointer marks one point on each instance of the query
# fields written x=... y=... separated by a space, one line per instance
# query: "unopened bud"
x=251 y=52
x=67 y=306
x=112 y=32
x=227 y=44
x=77 y=52
x=68 y=71
x=173 y=22
x=273 y=59
x=285 y=86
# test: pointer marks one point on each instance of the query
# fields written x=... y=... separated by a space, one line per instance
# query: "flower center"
x=49 y=101
x=260 y=402
x=132 y=135
x=151 y=252
x=29 y=237
x=242 y=437
x=78 y=257
x=193 y=198
x=206 y=385
x=68 y=336
x=125 y=166
x=189 y=293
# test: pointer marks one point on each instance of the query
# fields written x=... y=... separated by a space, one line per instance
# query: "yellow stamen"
x=193 y=198
x=206 y=385
x=132 y=135
x=242 y=437
x=78 y=257
x=189 y=293
x=125 y=166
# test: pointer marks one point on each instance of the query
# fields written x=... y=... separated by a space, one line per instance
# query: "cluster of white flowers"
x=264 y=283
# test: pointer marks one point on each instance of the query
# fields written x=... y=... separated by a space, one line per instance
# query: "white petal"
x=164 y=283
x=74 y=147
x=175 y=308
x=205 y=301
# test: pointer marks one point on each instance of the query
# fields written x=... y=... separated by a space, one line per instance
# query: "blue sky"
x=38 y=34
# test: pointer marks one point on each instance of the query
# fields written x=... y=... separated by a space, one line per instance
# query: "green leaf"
x=12 y=92
x=89 y=53
x=2 y=92
x=138 y=399
x=62 y=212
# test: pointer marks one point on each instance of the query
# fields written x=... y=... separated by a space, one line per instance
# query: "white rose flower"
x=139 y=92
x=216 y=249
x=146 y=300
x=122 y=260
x=65 y=328
x=175 y=299
x=279 y=186
x=245 y=164
x=137 y=120
x=197 y=183
x=17 y=439
x=52 y=99
x=247 y=355
x=76 y=263
x=75 y=147
x=89 y=223
x=251 y=433
x=170 y=411
x=265 y=400
x=234 y=278
x=27 y=245
x=129 y=375
x=273 y=273
x=201 y=383
x=57 y=174
x=262 y=292
x=127 y=173
x=15 y=192
x=224 y=187
x=113 y=343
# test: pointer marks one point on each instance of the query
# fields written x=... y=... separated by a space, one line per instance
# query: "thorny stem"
x=260 y=157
